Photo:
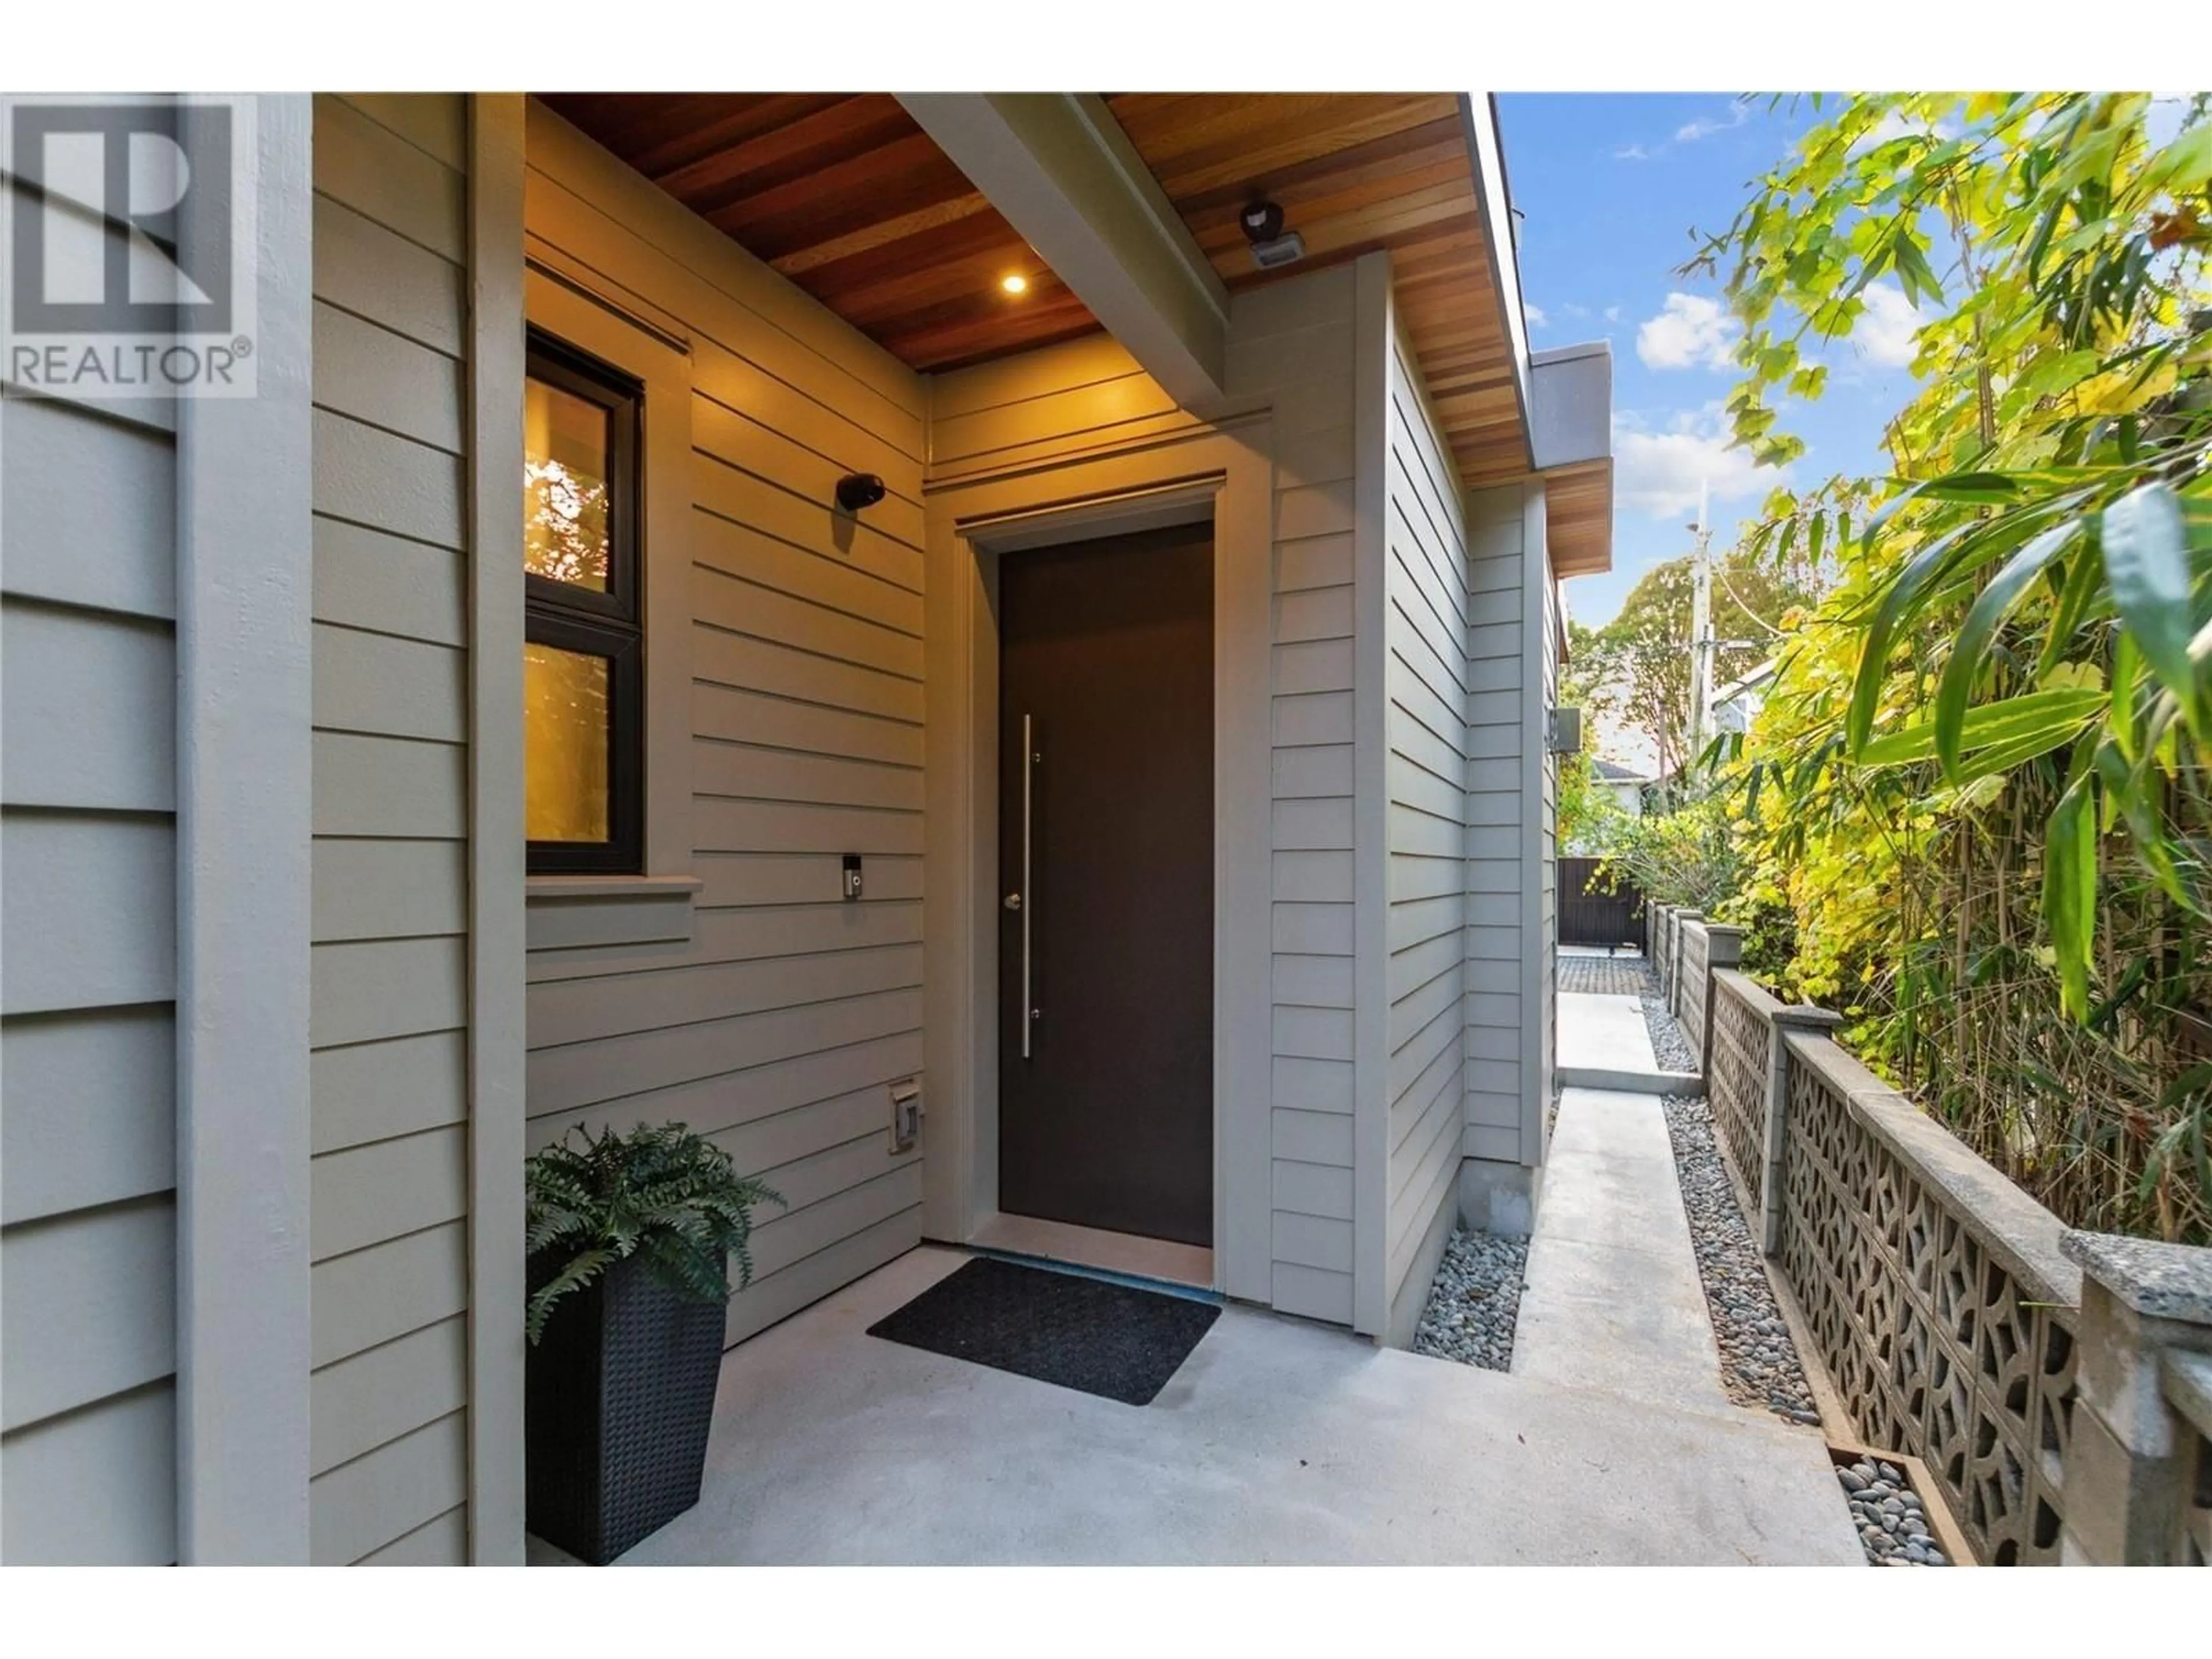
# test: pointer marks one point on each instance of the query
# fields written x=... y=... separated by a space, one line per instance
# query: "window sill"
x=569 y=913
x=538 y=888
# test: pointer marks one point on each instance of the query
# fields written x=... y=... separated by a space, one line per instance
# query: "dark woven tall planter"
x=619 y=1396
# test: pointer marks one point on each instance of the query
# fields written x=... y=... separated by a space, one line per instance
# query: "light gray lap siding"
x=1294 y=344
x=1497 y=869
x=389 y=1004
x=87 y=850
x=768 y=1014
x=1426 y=676
x=1544 y=1063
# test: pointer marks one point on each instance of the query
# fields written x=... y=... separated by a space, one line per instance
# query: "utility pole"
x=1701 y=631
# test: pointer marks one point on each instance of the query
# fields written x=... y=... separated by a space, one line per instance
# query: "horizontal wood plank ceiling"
x=1353 y=172
x=847 y=197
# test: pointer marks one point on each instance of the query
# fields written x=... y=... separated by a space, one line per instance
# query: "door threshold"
x=1093 y=1246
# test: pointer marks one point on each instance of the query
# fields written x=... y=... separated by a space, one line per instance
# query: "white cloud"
x=1691 y=331
x=1613 y=314
x=1534 y=314
x=1739 y=113
x=1575 y=311
x=1884 y=331
x=1660 y=472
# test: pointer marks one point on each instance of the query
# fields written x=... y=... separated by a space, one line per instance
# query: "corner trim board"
x=244 y=806
x=1535 y=756
x=496 y=850
x=1370 y=830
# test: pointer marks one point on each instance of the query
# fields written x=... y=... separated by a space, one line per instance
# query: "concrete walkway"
x=1613 y=1299
x=1604 y=1034
x=1278 y=1441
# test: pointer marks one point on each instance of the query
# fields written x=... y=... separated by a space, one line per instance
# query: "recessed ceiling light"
x=1015 y=283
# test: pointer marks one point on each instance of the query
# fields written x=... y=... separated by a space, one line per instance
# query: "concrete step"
x=1641 y=1083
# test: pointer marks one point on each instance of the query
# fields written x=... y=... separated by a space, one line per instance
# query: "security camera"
x=858 y=489
x=1271 y=245
x=1262 y=222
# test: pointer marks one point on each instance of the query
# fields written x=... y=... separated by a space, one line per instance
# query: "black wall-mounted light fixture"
x=858 y=489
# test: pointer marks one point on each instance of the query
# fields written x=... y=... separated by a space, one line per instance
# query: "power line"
x=1720 y=574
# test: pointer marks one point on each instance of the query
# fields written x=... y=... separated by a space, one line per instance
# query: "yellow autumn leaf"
x=1983 y=792
x=2073 y=676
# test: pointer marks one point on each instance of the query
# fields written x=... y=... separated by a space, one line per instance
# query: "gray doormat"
x=1113 y=1341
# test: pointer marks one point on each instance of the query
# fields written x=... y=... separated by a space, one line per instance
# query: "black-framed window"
x=583 y=660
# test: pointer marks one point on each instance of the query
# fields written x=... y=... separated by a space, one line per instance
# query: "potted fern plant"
x=632 y=1238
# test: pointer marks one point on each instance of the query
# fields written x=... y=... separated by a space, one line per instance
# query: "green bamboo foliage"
x=662 y=1192
x=2118 y=575
x=2005 y=704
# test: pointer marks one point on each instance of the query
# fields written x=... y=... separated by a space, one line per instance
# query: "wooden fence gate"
x=1589 y=914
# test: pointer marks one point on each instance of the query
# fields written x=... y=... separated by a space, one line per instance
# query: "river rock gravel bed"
x=1667 y=1043
x=1892 y=1522
x=1474 y=1302
x=1759 y=1366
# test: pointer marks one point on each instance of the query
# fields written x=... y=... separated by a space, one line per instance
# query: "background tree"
x=1586 y=811
x=1691 y=856
x=1639 y=665
x=1587 y=815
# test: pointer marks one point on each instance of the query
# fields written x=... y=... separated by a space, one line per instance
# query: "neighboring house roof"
x=1608 y=773
x=1736 y=704
x=1753 y=681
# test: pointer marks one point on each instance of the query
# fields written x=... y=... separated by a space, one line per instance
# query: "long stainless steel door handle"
x=1028 y=896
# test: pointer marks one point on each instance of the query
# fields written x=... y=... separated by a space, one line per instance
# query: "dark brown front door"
x=1106 y=655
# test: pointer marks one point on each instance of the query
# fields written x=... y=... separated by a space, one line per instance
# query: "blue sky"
x=1608 y=186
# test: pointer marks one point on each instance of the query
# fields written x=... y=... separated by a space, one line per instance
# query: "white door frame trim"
x=1230 y=472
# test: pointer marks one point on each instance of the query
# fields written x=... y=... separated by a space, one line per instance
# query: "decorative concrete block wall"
x=2058 y=1385
x=2140 y=1461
